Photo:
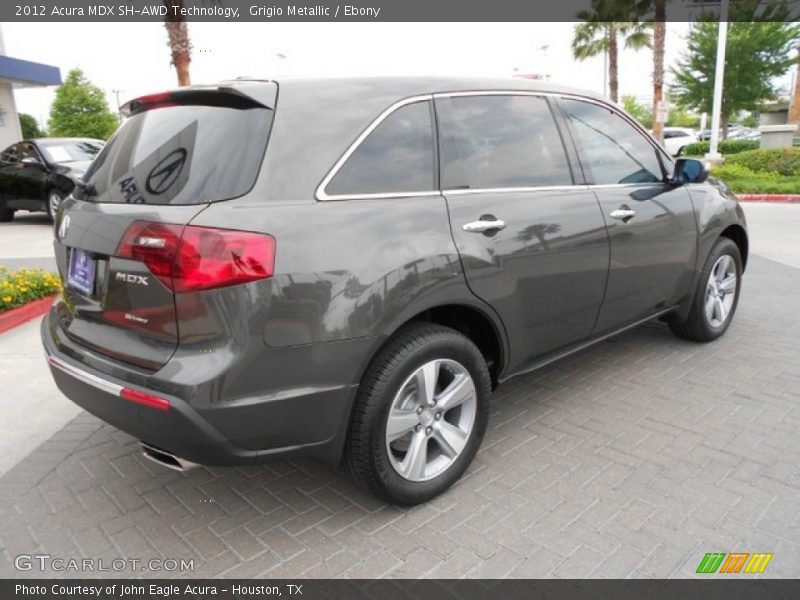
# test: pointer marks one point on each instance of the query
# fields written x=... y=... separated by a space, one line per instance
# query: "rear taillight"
x=144 y=399
x=154 y=244
x=191 y=258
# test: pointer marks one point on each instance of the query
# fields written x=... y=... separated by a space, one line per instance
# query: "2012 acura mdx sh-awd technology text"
x=346 y=269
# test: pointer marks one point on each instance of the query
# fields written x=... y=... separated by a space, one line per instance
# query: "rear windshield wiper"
x=87 y=188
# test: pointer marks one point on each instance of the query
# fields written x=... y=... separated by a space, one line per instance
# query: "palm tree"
x=539 y=231
x=179 y=44
x=659 y=42
x=794 y=105
x=603 y=31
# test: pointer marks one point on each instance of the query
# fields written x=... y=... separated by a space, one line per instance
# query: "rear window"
x=503 y=142
x=181 y=155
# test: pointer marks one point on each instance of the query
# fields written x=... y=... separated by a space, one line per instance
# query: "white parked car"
x=676 y=138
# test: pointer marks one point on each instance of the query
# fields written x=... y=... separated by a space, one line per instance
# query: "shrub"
x=733 y=171
x=725 y=147
x=743 y=180
x=26 y=285
x=783 y=161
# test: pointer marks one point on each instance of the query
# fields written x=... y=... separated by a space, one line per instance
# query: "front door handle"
x=483 y=226
x=624 y=214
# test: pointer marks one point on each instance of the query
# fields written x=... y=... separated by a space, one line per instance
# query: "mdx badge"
x=131 y=278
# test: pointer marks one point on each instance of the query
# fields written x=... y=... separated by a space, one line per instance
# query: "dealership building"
x=18 y=73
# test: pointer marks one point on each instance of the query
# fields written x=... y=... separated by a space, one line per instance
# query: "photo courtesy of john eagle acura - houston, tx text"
x=346 y=269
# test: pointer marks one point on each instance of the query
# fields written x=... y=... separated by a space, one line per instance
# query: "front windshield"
x=84 y=150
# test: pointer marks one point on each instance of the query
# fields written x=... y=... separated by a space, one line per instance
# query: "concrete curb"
x=787 y=198
x=22 y=314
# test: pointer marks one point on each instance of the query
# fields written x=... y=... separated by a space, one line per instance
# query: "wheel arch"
x=734 y=232
x=483 y=329
x=475 y=325
x=738 y=235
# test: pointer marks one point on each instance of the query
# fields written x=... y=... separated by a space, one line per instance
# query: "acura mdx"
x=347 y=268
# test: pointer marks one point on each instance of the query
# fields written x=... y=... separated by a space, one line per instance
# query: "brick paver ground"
x=630 y=459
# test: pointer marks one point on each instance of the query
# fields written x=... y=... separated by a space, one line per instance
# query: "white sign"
x=662 y=111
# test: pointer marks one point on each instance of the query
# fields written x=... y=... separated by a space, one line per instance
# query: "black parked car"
x=38 y=174
x=346 y=269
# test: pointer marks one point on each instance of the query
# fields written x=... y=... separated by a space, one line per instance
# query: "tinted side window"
x=10 y=154
x=28 y=151
x=501 y=142
x=396 y=157
x=611 y=150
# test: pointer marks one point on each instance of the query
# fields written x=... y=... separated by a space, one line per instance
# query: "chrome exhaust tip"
x=166 y=459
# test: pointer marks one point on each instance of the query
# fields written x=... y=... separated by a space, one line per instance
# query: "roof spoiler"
x=227 y=97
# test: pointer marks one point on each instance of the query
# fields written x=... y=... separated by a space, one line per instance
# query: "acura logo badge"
x=166 y=172
x=63 y=227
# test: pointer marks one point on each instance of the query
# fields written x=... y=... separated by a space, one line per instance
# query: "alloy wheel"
x=431 y=420
x=721 y=290
x=53 y=202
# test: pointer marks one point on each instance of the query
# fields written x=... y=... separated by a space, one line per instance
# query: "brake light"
x=191 y=258
x=149 y=102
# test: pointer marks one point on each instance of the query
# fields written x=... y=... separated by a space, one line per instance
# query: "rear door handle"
x=622 y=214
x=483 y=226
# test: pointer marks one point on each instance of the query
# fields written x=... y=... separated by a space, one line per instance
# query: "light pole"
x=605 y=72
x=719 y=76
x=116 y=95
x=545 y=71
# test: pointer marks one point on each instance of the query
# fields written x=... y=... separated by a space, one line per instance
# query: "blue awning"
x=24 y=73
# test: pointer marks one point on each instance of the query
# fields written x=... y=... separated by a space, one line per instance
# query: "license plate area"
x=81 y=272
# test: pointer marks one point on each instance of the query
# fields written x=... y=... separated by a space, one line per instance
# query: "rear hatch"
x=119 y=238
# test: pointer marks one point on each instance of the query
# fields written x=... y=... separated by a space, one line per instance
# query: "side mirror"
x=29 y=160
x=690 y=170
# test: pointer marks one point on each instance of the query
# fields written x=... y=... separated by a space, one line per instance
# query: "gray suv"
x=346 y=269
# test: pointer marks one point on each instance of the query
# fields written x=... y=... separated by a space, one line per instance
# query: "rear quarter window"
x=397 y=157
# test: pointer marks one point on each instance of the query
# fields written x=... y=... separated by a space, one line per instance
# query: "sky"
x=133 y=58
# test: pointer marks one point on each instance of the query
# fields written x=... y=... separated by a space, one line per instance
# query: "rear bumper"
x=192 y=434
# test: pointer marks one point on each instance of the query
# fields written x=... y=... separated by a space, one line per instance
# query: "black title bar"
x=398 y=589
x=233 y=11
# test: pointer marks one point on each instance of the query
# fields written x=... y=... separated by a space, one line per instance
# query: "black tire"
x=697 y=326
x=48 y=205
x=6 y=214
x=366 y=456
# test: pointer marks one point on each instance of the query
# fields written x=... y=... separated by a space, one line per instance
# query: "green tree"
x=29 y=126
x=608 y=25
x=80 y=110
x=756 y=54
x=638 y=111
x=680 y=117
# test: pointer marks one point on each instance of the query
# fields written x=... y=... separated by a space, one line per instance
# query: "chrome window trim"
x=382 y=196
x=321 y=194
x=508 y=190
x=622 y=185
